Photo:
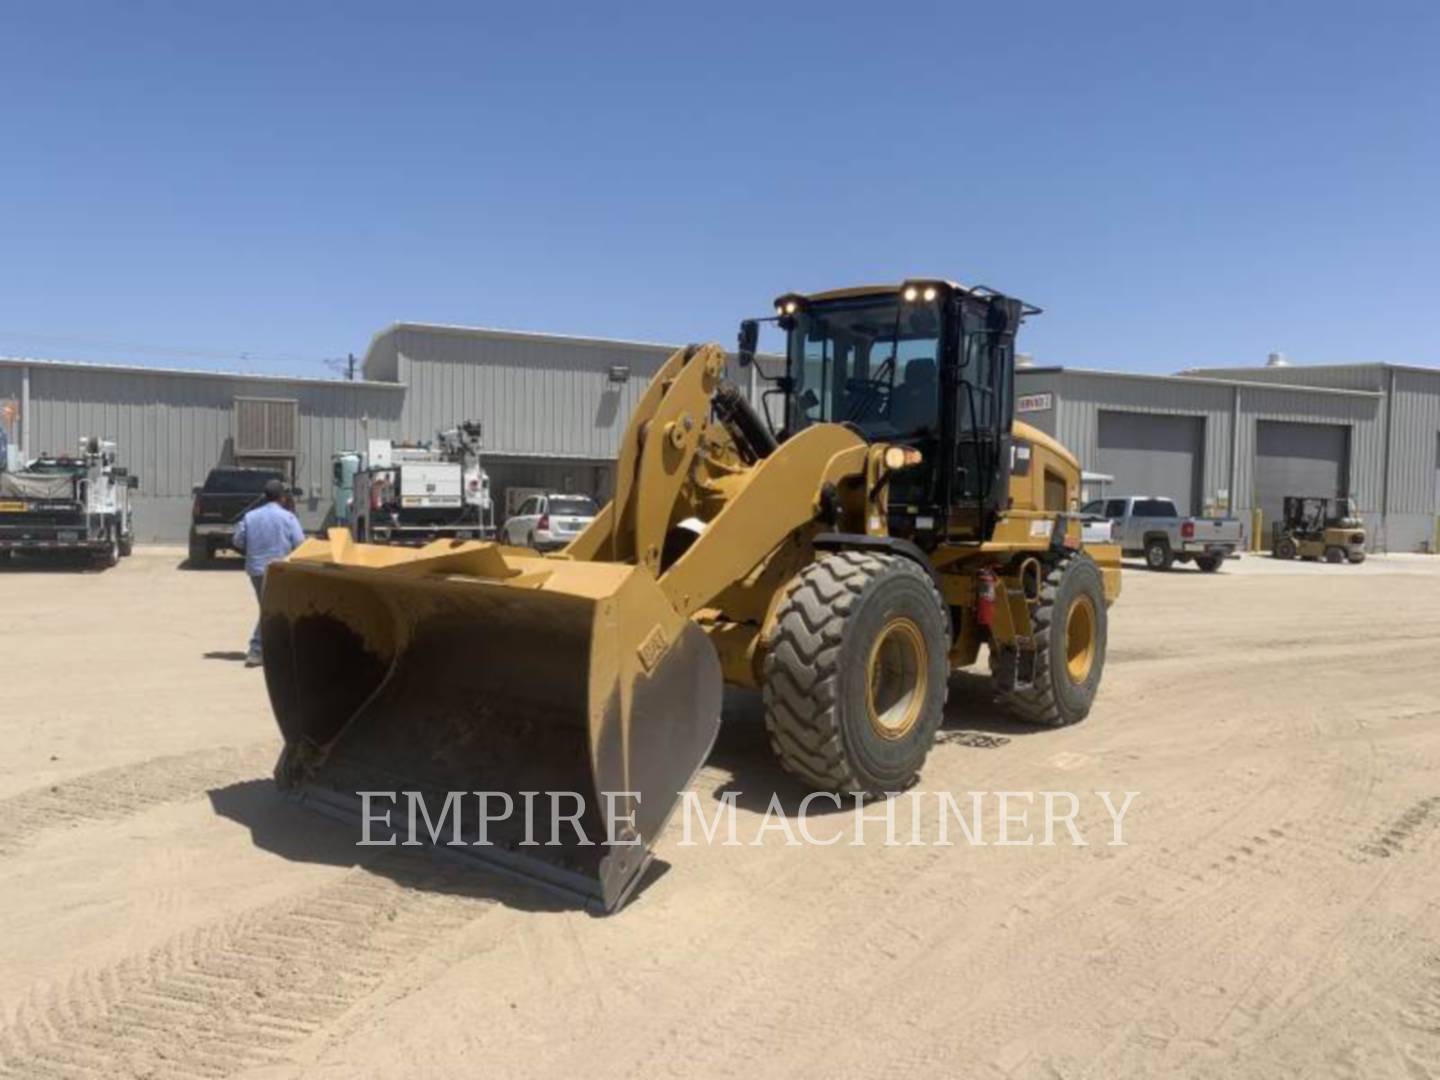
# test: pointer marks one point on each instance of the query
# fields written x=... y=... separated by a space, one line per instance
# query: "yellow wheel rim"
x=1080 y=639
x=895 y=679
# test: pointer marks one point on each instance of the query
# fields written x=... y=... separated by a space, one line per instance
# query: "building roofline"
x=198 y=373
x=1362 y=364
x=517 y=335
x=768 y=360
x=1205 y=380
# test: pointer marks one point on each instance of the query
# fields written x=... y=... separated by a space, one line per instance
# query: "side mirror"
x=132 y=482
x=749 y=339
x=299 y=493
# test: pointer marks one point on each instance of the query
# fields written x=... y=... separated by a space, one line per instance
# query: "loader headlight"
x=911 y=294
x=901 y=457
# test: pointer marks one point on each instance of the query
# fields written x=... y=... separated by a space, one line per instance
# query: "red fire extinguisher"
x=985 y=596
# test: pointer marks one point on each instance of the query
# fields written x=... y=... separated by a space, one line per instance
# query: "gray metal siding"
x=1298 y=459
x=536 y=397
x=1152 y=454
x=10 y=382
x=171 y=430
x=1414 y=422
x=381 y=360
x=1414 y=487
x=1082 y=395
x=1364 y=417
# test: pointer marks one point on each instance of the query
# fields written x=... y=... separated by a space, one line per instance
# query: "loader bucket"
x=571 y=688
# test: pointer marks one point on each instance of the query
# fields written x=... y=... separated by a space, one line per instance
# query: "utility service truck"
x=77 y=504
x=411 y=493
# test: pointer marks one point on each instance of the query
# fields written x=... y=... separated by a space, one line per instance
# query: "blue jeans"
x=258 y=581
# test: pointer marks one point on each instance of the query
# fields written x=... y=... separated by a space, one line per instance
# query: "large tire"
x=110 y=555
x=1285 y=548
x=856 y=672
x=1208 y=564
x=1069 y=623
x=1334 y=555
x=1158 y=555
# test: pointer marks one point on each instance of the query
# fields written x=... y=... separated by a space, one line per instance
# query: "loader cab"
x=926 y=364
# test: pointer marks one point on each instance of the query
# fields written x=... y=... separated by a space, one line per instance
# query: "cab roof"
x=873 y=290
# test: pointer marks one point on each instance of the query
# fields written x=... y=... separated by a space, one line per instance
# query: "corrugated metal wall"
x=1414 y=465
x=1414 y=422
x=172 y=428
x=10 y=379
x=1363 y=415
x=537 y=397
x=1082 y=395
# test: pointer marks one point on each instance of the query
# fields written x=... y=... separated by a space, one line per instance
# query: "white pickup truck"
x=1151 y=526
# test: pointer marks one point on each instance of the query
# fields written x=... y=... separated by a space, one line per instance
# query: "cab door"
x=981 y=405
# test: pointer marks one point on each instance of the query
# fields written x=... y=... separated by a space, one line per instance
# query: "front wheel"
x=1070 y=627
x=1285 y=548
x=856 y=673
x=110 y=555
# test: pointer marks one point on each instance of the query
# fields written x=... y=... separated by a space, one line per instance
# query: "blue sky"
x=187 y=184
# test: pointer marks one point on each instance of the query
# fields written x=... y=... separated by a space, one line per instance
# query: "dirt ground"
x=1275 y=910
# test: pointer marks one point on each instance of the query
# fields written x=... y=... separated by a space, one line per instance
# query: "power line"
x=185 y=352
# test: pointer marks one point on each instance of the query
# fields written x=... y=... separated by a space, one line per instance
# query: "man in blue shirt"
x=267 y=533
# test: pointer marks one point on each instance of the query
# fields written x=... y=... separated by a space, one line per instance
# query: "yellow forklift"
x=1310 y=530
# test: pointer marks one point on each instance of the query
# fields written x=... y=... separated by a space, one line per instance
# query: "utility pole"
x=350 y=369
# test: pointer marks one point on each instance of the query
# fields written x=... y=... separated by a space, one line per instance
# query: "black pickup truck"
x=219 y=504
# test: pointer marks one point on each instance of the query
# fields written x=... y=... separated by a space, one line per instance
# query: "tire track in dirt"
x=1189 y=913
x=239 y=993
x=126 y=790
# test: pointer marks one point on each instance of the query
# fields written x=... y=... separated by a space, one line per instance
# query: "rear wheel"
x=200 y=552
x=1070 y=628
x=1208 y=563
x=1158 y=555
x=855 y=673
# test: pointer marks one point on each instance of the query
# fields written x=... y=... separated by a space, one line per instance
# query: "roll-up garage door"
x=1292 y=458
x=1149 y=454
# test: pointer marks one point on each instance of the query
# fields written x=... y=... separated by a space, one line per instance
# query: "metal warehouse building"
x=554 y=409
x=1245 y=437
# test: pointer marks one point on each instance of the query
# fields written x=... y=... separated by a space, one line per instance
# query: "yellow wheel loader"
x=844 y=561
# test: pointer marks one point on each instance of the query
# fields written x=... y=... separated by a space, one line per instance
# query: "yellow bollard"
x=1257 y=529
